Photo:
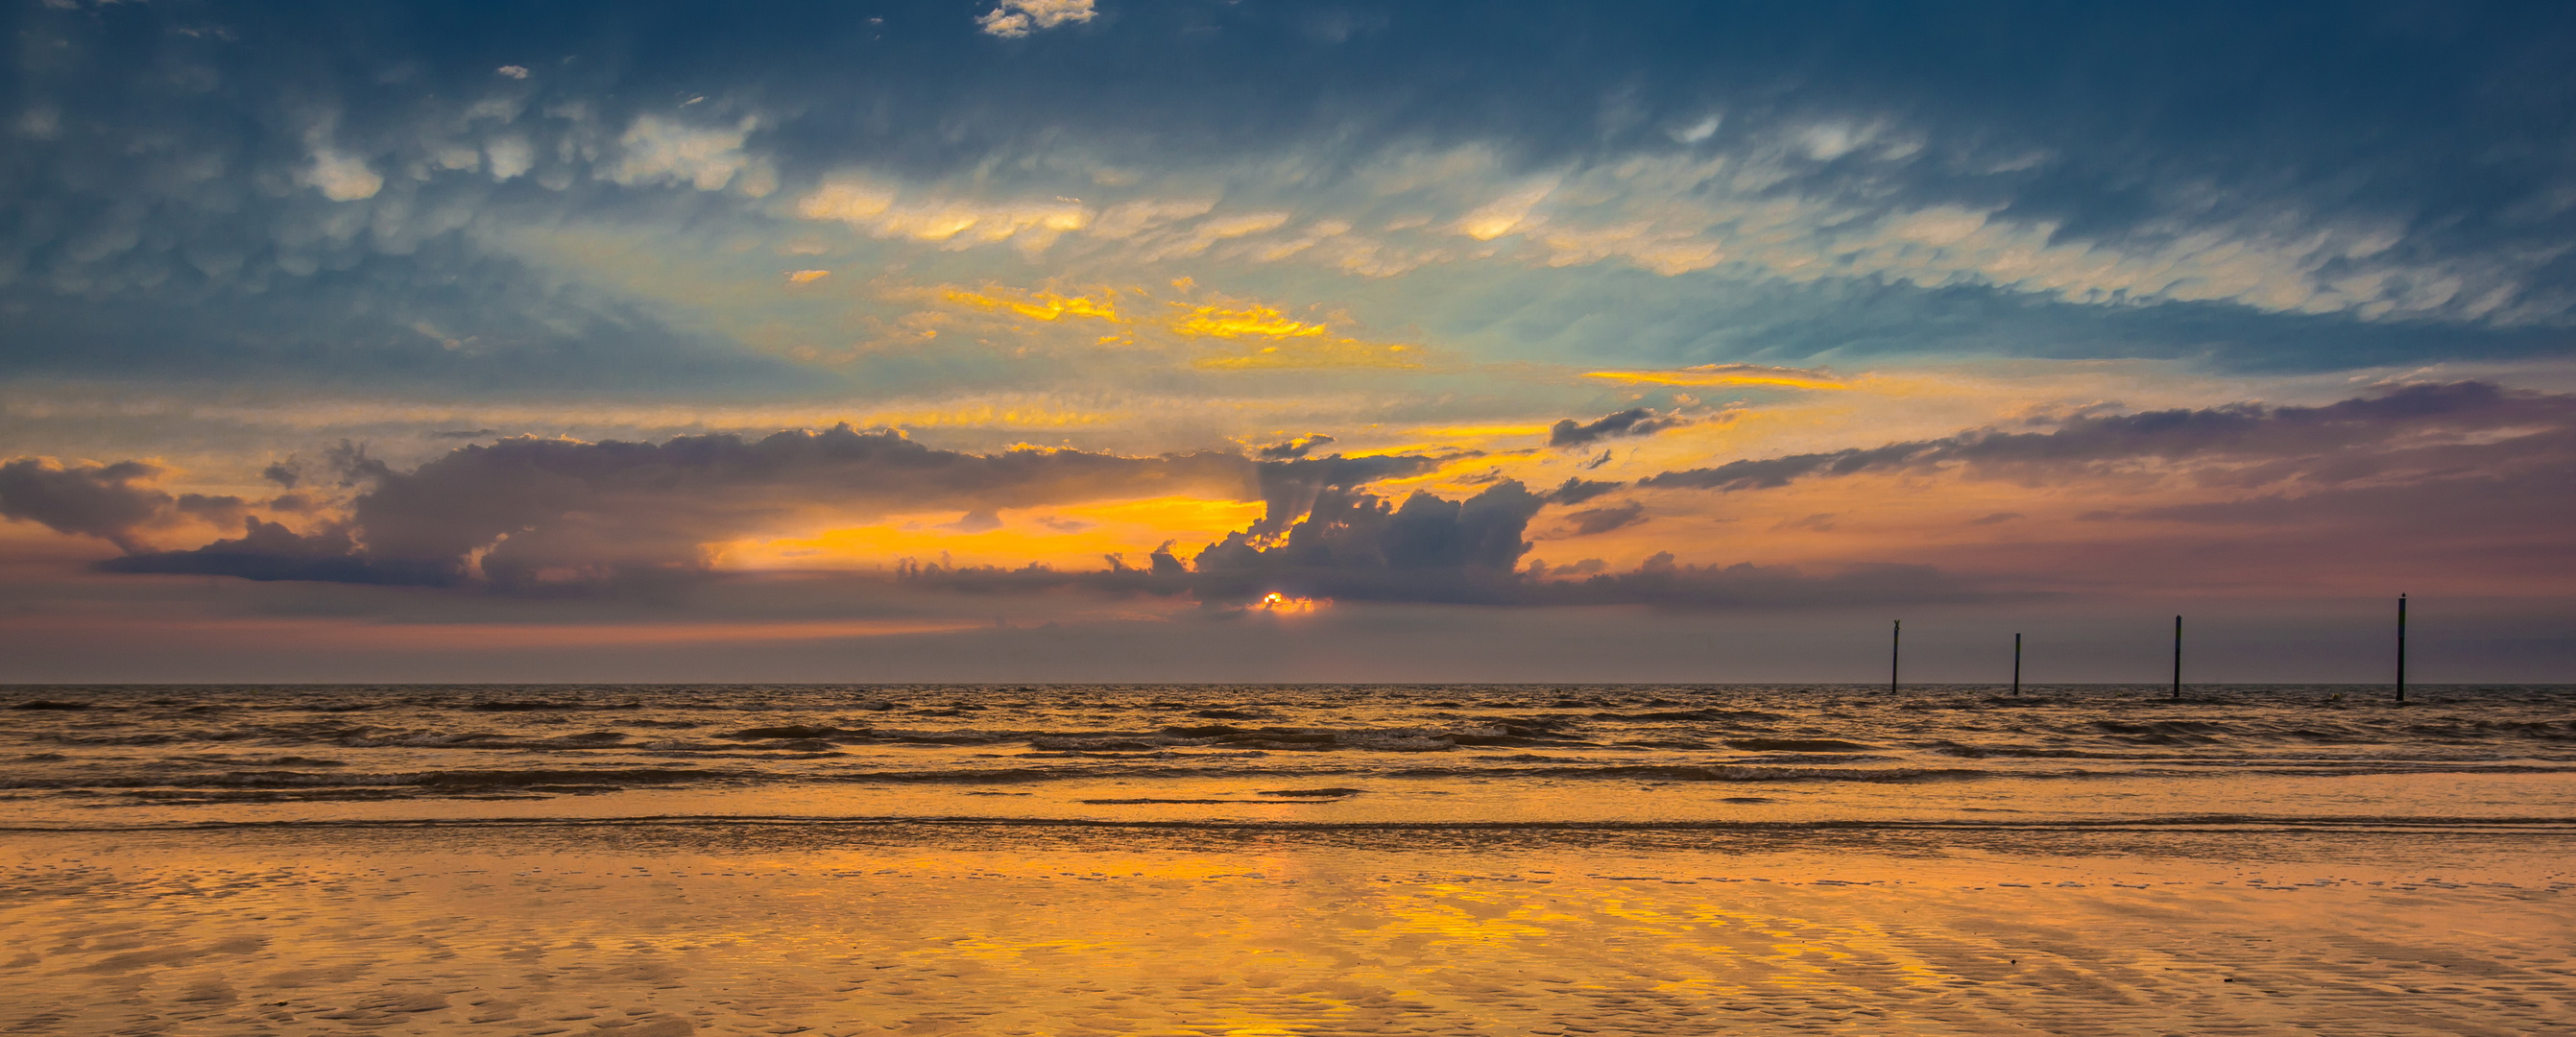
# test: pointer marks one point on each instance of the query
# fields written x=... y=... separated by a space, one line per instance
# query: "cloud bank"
x=2408 y=430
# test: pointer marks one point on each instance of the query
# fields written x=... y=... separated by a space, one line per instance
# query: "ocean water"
x=1255 y=861
x=2306 y=756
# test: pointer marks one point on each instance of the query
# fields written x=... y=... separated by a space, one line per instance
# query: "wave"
x=283 y=775
x=2214 y=822
x=1732 y=773
x=444 y=779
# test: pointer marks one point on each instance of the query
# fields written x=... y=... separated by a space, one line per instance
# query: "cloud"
x=1936 y=192
x=950 y=222
x=1292 y=489
x=2399 y=432
x=341 y=177
x=1726 y=376
x=1355 y=546
x=1343 y=544
x=509 y=157
x=1041 y=305
x=269 y=551
x=560 y=509
x=1292 y=449
x=1635 y=421
x=981 y=520
x=660 y=150
x=1591 y=521
x=1015 y=18
x=1659 y=581
x=86 y=499
x=1508 y=213
x=1576 y=491
x=1239 y=322
x=528 y=514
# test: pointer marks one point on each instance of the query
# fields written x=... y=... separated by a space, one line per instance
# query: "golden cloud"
x=1042 y=305
x=1720 y=375
x=1339 y=353
x=1256 y=320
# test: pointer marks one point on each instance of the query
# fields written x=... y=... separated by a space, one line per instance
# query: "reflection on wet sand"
x=644 y=929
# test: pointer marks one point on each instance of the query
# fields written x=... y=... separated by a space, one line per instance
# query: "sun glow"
x=1281 y=604
x=1070 y=537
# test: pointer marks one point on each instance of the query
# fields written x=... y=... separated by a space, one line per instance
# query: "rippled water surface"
x=1276 y=861
x=86 y=757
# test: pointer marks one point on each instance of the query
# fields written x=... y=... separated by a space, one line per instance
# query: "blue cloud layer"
x=333 y=191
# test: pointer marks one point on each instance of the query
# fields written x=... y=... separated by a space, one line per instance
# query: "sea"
x=1493 y=756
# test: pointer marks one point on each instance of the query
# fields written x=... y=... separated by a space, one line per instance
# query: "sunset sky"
x=1199 y=340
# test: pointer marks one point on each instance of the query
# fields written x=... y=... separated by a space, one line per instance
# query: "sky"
x=1196 y=340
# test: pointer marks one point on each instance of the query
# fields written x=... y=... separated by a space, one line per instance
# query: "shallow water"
x=1261 y=861
x=657 y=928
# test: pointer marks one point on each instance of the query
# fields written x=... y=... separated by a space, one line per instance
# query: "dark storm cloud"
x=2354 y=439
x=1635 y=421
x=86 y=499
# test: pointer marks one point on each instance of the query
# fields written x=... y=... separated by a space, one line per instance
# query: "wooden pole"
x=2177 y=685
x=2016 y=665
x=1895 y=652
x=2401 y=649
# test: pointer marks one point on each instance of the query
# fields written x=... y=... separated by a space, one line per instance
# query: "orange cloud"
x=1072 y=537
x=1715 y=375
x=1221 y=322
x=1045 y=305
x=1462 y=431
x=1339 y=353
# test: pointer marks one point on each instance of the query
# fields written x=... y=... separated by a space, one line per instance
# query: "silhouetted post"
x=2016 y=665
x=1895 y=651
x=2401 y=648
x=2177 y=691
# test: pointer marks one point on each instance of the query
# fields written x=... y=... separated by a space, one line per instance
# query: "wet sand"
x=631 y=928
